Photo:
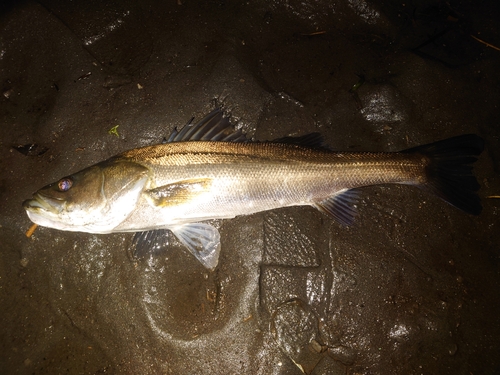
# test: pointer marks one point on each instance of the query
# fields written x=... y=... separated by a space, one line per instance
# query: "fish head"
x=94 y=200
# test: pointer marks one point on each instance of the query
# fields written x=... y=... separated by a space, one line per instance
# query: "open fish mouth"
x=41 y=203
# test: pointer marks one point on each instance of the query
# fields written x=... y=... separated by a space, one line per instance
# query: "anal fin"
x=341 y=206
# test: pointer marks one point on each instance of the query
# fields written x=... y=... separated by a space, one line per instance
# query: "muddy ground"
x=410 y=288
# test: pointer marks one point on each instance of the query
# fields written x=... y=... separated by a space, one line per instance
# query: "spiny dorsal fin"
x=341 y=207
x=216 y=127
x=213 y=127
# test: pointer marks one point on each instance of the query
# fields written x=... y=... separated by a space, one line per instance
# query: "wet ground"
x=410 y=288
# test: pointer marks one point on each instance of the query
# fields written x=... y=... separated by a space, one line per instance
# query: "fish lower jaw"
x=43 y=220
x=46 y=222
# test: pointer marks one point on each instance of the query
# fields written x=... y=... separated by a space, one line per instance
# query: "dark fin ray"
x=192 y=132
x=237 y=136
x=341 y=207
x=213 y=127
x=312 y=140
x=176 y=134
x=449 y=174
x=151 y=242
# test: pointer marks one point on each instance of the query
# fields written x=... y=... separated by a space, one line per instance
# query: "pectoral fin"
x=202 y=240
x=178 y=192
x=342 y=206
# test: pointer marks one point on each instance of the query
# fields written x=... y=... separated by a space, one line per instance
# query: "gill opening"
x=103 y=194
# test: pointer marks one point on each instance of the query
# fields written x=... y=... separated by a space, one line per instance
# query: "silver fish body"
x=209 y=172
x=216 y=180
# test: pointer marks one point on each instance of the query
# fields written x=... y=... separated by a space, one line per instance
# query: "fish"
x=210 y=170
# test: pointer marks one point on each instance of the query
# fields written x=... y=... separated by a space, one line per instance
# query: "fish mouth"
x=42 y=203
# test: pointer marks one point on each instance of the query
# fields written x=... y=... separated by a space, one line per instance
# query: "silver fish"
x=210 y=171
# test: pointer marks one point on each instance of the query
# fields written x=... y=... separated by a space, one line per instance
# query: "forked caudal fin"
x=449 y=173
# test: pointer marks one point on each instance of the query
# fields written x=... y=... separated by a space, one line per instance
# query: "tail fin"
x=449 y=173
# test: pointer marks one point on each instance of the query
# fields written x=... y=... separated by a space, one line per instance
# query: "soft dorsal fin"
x=312 y=140
x=341 y=206
x=213 y=127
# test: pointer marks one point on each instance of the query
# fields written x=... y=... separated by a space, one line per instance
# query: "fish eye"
x=65 y=184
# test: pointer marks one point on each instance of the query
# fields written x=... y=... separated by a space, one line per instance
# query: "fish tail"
x=449 y=172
